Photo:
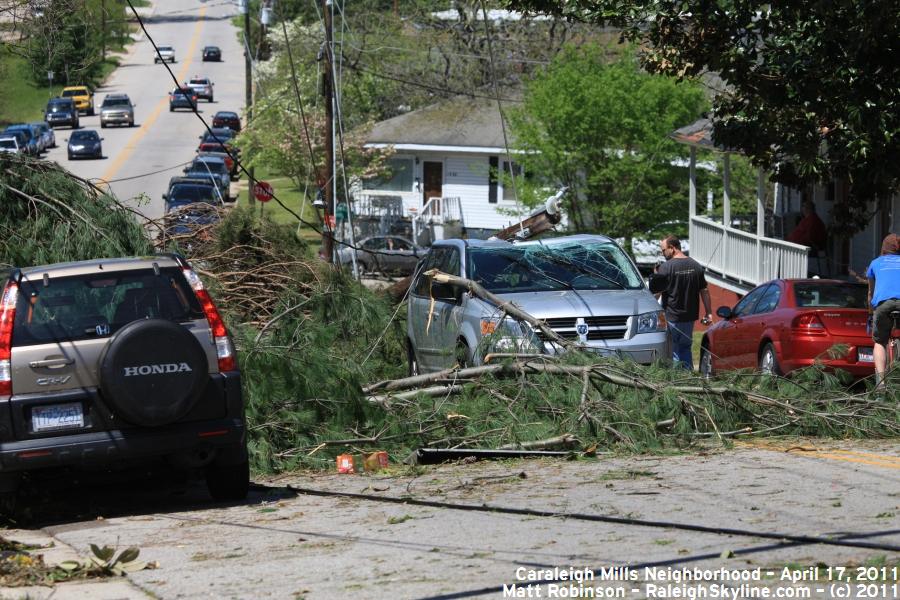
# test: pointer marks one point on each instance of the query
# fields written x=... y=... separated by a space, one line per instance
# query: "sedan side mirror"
x=165 y=196
x=101 y=139
x=724 y=312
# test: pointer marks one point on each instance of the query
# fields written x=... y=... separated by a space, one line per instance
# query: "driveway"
x=466 y=530
x=140 y=160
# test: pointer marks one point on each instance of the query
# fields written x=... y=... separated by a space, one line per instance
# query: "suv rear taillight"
x=224 y=348
x=7 y=316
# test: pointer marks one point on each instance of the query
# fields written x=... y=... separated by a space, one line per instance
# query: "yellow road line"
x=866 y=458
x=129 y=148
x=887 y=464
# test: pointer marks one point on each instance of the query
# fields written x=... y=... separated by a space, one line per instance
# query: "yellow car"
x=83 y=97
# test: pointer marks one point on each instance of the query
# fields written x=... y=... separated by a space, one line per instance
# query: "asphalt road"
x=654 y=511
x=138 y=162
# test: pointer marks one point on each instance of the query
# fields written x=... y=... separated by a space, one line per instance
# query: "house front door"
x=433 y=174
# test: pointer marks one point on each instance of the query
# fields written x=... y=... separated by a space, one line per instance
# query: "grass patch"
x=21 y=100
x=291 y=196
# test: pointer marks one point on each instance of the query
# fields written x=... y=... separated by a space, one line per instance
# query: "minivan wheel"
x=768 y=361
x=228 y=482
x=462 y=354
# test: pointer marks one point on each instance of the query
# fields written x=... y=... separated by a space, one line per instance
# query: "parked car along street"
x=212 y=166
x=9 y=144
x=25 y=135
x=788 y=324
x=115 y=360
x=61 y=111
x=85 y=143
x=387 y=254
x=82 y=96
x=117 y=109
x=583 y=286
x=227 y=118
x=47 y=136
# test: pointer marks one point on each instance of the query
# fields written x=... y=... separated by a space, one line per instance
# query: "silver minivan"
x=583 y=286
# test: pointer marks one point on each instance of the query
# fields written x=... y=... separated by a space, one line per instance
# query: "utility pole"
x=327 y=233
x=248 y=85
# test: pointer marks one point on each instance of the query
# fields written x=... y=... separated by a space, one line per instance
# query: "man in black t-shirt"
x=683 y=283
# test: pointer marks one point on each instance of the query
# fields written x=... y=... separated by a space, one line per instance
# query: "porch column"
x=692 y=187
x=760 y=223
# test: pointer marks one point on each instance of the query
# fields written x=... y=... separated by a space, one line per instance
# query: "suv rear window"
x=99 y=304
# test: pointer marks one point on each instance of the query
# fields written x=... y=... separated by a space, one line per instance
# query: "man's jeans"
x=682 y=340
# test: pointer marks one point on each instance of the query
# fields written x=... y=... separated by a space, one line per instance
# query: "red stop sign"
x=262 y=191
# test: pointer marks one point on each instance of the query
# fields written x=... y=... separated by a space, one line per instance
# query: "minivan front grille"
x=599 y=328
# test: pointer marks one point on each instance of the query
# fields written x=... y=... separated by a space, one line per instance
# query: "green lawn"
x=21 y=101
x=290 y=196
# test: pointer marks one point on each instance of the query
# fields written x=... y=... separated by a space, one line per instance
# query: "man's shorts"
x=882 y=323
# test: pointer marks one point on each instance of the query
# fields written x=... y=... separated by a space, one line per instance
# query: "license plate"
x=57 y=416
x=865 y=355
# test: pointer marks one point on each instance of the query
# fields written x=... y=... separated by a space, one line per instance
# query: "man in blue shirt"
x=884 y=296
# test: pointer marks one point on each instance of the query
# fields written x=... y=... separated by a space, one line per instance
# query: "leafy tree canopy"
x=602 y=128
x=812 y=89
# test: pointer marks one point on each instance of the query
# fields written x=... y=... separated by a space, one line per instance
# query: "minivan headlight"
x=652 y=322
x=509 y=335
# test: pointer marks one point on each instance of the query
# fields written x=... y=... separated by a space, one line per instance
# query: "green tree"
x=602 y=128
x=812 y=89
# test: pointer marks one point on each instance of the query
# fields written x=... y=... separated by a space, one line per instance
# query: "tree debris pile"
x=256 y=267
x=47 y=215
x=542 y=404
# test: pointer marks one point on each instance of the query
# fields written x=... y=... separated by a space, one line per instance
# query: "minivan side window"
x=423 y=283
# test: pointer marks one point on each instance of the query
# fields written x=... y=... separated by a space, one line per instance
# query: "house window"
x=511 y=169
x=397 y=178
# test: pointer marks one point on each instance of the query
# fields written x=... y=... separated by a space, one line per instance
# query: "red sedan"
x=787 y=324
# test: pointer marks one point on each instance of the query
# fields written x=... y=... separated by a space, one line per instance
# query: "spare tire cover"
x=152 y=372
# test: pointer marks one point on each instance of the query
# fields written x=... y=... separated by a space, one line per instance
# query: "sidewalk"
x=55 y=552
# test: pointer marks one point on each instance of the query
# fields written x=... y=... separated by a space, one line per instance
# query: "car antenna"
x=156 y=269
x=46 y=280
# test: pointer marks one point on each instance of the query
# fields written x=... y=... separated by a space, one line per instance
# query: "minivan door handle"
x=51 y=363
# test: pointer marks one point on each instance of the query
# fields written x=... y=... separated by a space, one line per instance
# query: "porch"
x=737 y=259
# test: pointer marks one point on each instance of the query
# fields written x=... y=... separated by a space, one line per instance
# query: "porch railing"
x=745 y=257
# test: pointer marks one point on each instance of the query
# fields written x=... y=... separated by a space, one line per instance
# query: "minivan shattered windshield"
x=550 y=267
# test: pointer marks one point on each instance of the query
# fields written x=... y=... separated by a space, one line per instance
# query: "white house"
x=443 y=169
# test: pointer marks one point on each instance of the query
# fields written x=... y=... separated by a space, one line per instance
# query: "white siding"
x=466 y=177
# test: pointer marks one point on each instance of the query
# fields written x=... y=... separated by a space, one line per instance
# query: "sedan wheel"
x=768 y=361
